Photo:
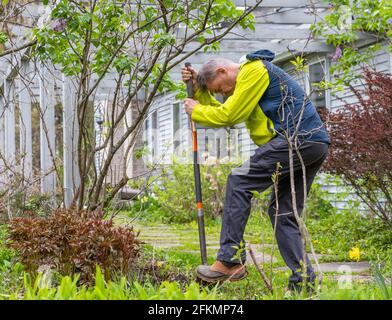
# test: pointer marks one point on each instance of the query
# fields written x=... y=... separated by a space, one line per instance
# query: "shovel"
x=196 y=168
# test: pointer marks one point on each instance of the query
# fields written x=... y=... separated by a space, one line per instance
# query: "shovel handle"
x=196 y=167
x=189 y=84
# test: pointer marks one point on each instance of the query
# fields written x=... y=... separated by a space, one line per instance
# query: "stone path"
x=164 y=237
x=341 y=267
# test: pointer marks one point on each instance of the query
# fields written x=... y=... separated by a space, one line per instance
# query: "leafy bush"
x=40 y=204
x=21 y=201
x=337 y=233
x=318 y=202
x=361 y=144
x=370 y=16
x=171 y=197
x=10 y=273
x=382 y=281
x=146 y=208
x=11 y=277
x=6 y=254
x=42 y=289
x=74 y=242
x=174 y=191
x=3 y=213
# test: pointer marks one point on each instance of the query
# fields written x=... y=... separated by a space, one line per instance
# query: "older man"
x=273 y=107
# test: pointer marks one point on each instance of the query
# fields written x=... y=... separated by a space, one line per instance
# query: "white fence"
x=29 y=85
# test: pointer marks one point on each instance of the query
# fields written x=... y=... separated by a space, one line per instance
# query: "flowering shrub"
x=361 y=144
x=74 y=242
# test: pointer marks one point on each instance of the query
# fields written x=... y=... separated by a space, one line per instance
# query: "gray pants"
x=255 y=175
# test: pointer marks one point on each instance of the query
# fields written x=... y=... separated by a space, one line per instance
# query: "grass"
x=259 y=230
x=253 y=288
x=183 y=260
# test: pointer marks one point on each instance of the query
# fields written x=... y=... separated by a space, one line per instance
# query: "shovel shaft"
x=196 y=169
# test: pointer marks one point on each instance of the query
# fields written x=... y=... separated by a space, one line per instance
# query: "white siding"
x=163 y=105
x=381 y=62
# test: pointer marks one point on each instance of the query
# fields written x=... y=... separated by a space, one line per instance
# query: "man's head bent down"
x=218 y=76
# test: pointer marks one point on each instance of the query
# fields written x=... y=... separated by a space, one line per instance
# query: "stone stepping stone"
x=348 y=278
x=213 y=247
x=210 y=250
x=166 y=245
x=193 y=242
x=260 y=246
x=138 y=226
x=162 y=241
x=196 y=251
x=318 y=256
x=169 y=244
x=344 y=267
x=143 y=231
x=144 y=235
x=341 y=267
x=148 y=239
x=259 y=257
x=159 y=234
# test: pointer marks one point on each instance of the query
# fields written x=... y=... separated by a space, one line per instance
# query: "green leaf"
x=3 y=38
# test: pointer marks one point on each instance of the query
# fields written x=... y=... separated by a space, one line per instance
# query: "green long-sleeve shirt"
x=241 y=106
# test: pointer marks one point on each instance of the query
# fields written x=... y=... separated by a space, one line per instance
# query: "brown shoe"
x=219 y=272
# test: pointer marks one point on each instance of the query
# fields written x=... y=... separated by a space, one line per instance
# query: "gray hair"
x=207 y=73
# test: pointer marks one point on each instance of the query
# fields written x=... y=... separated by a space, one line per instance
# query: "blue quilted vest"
x=283 y=100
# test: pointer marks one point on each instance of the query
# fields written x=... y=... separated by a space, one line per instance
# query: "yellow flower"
x=354 y=254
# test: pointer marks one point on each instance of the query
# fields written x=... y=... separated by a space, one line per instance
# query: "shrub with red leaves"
x=74 y=242
x=361 y=149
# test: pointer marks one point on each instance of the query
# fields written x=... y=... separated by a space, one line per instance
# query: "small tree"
x=135 y=43
x=343 y=27
x=361 y=144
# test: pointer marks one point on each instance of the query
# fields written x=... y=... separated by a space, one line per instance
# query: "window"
x=206 y=144
x=146 y=130
x=154 y=135
x=218 y=148
x=317 y=73
x=232 y=142
x=176 y=126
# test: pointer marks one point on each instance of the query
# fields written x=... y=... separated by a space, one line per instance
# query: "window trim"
x=390 y=62
x=327 y=63
x=155 y=152
x=179 y=123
